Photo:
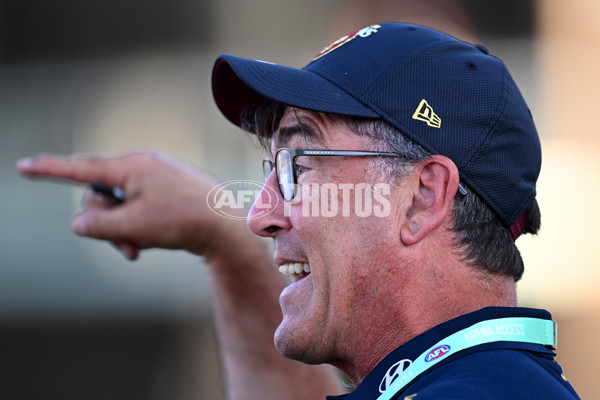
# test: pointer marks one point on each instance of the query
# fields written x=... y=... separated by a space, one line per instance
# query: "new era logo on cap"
x=425 y=113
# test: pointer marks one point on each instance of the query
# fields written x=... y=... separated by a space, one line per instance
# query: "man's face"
x=349 y=252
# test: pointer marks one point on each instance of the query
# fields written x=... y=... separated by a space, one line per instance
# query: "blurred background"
x=110 y=76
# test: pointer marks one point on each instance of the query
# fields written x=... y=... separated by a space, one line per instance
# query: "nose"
x=266 y=216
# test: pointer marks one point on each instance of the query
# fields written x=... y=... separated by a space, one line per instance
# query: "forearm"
x=246 y=288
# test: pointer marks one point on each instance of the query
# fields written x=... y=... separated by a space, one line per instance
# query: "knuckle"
x=144 y=158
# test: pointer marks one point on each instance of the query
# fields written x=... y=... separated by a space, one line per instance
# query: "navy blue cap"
x=451 y=97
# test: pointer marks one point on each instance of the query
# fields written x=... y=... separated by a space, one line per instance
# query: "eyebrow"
x=287 y=133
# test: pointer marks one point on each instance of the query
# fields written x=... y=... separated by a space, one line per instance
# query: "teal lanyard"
x=526 y=330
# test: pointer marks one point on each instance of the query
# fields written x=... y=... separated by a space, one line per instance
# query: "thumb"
x=107 y=224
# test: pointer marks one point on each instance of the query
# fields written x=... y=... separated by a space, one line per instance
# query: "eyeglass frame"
x=293 y=153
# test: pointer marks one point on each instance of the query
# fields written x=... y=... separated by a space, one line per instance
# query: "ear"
x=434 y=185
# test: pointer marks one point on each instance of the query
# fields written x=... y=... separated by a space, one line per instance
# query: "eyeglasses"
x=285 y=166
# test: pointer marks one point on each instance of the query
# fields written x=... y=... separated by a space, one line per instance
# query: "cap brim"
x=238 y=82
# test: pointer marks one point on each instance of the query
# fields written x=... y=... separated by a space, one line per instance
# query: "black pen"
x=114 y=194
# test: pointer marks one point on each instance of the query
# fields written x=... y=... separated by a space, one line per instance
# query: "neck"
x=429 y=297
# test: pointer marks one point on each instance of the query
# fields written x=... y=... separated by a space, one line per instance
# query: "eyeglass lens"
x=285 y=174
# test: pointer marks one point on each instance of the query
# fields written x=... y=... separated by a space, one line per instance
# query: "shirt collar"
x=394 y=363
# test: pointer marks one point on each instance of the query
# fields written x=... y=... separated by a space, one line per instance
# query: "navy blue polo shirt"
x=501 y=370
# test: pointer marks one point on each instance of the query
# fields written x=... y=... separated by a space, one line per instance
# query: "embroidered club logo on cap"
x=365 y=32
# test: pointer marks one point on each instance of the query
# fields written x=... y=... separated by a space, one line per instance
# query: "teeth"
x=294 y=268
x=297 y=268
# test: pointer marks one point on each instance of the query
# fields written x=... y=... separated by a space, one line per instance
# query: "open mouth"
x=295 y=270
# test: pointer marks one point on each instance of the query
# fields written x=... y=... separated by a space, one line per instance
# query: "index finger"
x=74 y=168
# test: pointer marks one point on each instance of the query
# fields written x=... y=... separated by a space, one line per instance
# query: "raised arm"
x=166 y=207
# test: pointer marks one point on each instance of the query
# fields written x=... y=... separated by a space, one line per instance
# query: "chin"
x=295 y=344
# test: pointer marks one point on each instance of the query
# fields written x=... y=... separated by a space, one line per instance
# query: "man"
x=417 y=158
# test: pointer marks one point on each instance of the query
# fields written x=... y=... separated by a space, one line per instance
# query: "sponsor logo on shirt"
x=393 y=373
x=438 y=352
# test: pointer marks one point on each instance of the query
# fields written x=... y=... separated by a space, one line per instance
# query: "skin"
x=375 y=282
x=349 y=311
